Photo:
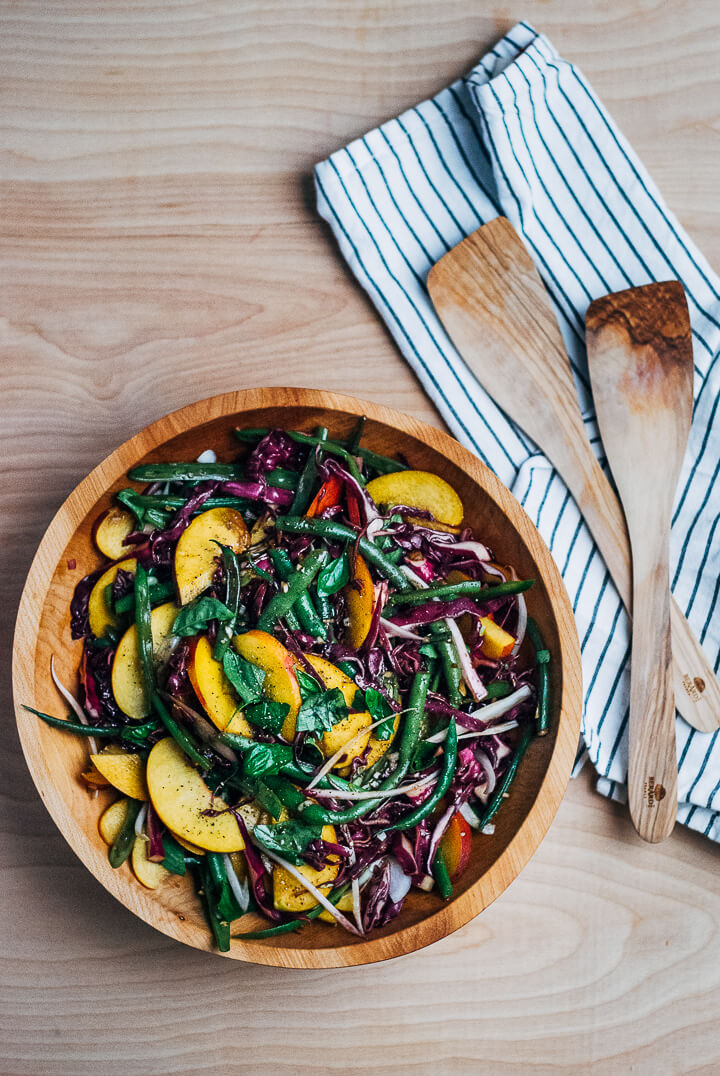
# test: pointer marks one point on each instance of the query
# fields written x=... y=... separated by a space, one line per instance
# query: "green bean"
x=507 y=779
x=450 y=660
x=144 y=629
x=383 y=464
x=333 y=448
x=440 y=874
x=542 y=657
x=232 y=599
x=292 y=621
x=184 y=472
x=348 y=667
x=72 y=726
x=310 y=622
x=182 y=739
x=270 y=932
x=167 y=503
x=380 y=463
x=498 y=689
x=339 y=532
x=280 y=603
x=159 y=592
x=219 y=925
x=474 y=588
x=444 y=781
x=354 y=442
x=408 y=742
x=217 y=869
x=251 y=435
x=412 y=724
x=281 y=478
x=292 y=924
x=122 y=846
x=304 y=492
x=324 y=607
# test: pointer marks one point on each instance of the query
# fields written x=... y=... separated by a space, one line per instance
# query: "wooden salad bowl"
x=56 y=760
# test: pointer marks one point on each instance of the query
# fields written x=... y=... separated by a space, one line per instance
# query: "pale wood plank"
x=185 y=130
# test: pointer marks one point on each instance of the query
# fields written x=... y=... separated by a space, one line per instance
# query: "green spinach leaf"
x=246 y=678
x=195 y=617
x=265 y=758
x=287 y=839
x=335 y=576
x=266 y=715
x=319 y=712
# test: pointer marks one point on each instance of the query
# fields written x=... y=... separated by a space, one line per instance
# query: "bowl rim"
x=462 y=908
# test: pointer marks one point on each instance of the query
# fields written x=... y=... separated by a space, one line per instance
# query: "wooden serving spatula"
x=494 y=305
x=640 y=358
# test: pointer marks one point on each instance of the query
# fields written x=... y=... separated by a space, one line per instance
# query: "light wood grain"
x=640 y=360
x=67 y=553
x=159 y=243
x=494 y=305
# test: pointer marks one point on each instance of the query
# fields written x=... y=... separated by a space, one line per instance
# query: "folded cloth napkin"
x=525 y=136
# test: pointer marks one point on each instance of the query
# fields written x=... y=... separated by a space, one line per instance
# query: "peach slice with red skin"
x=455 y=845
x=360 y=602
x=214 y=690
x=198 y=549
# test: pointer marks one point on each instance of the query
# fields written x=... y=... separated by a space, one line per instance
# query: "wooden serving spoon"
x=494 y=305
x=640 y=358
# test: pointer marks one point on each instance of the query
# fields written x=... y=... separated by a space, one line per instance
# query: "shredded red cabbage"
x=379 y=908
x=411 y=847
x=275 y=450
x=79 y=611
x=258 y=490
x=96 y=694
x=260 y=881
x=155 y=830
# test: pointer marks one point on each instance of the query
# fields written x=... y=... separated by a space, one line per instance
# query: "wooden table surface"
x=159 y=244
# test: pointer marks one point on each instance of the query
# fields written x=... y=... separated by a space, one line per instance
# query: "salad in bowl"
x=304 y=677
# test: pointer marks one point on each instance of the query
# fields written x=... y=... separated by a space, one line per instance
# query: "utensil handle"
x=652 y=763
x=696 y=687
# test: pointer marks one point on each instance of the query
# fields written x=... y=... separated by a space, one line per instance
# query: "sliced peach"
x=419 y=489
x=100 y=616
x=197 y=551
x=278 y=663
x=128 y=684
x=148 y=873
x=455 y=844
x=110 y=531
x=290 y=896
x=496 y=642
x=360 y=602
x=214 y=690
x=345 y=904
x=181 y=799
x=377 y=748
x=351 y=726
x=112 y=820
x=124 y=771
x=189 y=846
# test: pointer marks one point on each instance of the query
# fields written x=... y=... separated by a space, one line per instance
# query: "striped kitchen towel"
x=525 y=136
